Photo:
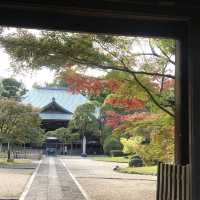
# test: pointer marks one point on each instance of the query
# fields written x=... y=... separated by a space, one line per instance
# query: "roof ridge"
x=51 y=88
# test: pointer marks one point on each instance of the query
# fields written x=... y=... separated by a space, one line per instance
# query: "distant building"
x=56 y=107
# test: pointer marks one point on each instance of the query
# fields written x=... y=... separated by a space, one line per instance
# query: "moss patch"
x=120 y=159
x=16 y=161
x=147 y=170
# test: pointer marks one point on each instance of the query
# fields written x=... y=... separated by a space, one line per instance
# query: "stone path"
x=100 y=182
x=53 y=182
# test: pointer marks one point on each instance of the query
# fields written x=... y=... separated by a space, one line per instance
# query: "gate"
x=173 y=182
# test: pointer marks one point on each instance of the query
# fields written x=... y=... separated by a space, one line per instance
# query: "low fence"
x=173 y=182
x=23 y=153
x=27 y=154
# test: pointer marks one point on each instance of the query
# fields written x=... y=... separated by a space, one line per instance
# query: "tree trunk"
x=9 y=156
x=71 y=148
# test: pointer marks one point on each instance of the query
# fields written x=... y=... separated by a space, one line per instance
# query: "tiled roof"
x=55 y=116
x=40 y=97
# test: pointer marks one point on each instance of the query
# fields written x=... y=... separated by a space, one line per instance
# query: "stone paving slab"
x=53 y=182
x=100 y=182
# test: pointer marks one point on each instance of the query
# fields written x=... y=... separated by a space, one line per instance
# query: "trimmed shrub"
x=135 y=161
x=135 y=157
x=111 y=143
x=115 y=153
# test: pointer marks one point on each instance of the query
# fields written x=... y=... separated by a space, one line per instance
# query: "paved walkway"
x=53 y=182
x=12 y=182
x=100 y=182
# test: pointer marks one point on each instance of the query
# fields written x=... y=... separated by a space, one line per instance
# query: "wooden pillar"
x=181 y=93
x=194 y=106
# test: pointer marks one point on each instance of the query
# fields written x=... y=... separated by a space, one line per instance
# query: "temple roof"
x=43 y=97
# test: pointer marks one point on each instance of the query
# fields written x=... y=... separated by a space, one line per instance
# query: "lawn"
x=121 y=159
x=16 y=161
x=147 y=170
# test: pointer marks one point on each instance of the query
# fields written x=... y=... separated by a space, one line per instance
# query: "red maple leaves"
x=114 y=119
x=95 y=86
x=90 y=85
x=168 y=84
x=128 y=103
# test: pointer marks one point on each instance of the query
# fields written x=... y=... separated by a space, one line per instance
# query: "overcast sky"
x=41 y=77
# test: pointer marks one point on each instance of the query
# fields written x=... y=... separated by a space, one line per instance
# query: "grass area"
x=16 y=161
x=121 y=159
x=147 y=170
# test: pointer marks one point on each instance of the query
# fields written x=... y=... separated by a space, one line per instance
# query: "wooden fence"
x=27 y=154
x=22 y=153
x=173 y=182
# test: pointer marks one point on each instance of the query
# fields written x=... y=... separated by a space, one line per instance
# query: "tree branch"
x=121 y=68
x=151 y=96
x=133 y=73
x=157 y=55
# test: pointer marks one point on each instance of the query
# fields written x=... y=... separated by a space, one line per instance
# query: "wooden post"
x=194 y=106
x=181 y=93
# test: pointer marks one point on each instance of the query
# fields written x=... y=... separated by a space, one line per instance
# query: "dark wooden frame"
x=180 y=23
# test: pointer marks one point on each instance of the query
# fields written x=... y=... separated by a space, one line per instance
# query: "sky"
x=40 y=77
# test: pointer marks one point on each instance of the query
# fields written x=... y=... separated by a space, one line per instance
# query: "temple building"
x=56 y=107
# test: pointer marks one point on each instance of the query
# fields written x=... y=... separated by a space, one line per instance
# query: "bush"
x=135 y=157
x=135 y=161
x=111 y=143
x=116 y=153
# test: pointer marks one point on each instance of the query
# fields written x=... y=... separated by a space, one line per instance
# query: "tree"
x=111 y=143
x=1 y=88
x=12 y=88
x=85 y=120
x=66 y=135
x=151 y=138
x=61 y=50
x=18 y=123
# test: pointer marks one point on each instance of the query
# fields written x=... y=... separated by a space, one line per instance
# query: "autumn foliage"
x=91 y=85
x=168 y=84
x=114 y=119
x=95 y=86
x=129 y=103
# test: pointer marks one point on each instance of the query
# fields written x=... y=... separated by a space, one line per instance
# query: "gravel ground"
x=101 y=183
x=13 y=182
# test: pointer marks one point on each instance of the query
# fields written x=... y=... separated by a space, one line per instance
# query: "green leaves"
x=85 y=120
x=18 y=122
x=66 y=135
x=11 y=88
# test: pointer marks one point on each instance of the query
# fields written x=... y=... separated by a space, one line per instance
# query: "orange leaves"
x=114 y=119
x=135 y=116
x=168 y=84
x=128 y=103
x=79 y=83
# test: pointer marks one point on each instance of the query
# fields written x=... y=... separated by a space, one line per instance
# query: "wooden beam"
x=194 y=106
x=161 y=8
x=68 y=22
x=181 y=94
